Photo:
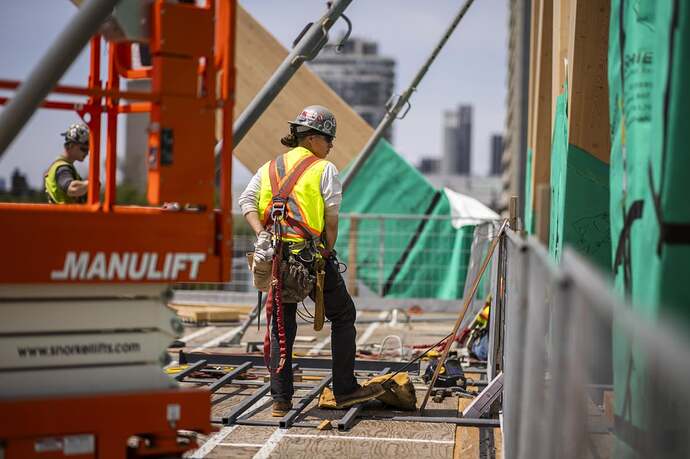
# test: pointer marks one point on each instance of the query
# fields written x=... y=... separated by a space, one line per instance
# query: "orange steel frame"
x=192 y=48
x=112 y=419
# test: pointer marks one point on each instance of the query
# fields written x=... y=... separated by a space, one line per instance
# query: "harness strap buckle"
x=278 y=209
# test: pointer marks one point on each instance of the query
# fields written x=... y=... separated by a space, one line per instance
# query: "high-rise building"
x=359 y=75
x=20 y=186
x=457 y=141
x=429 y=165
x=496 y=154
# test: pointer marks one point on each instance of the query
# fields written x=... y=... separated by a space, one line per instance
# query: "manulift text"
x=128 y=266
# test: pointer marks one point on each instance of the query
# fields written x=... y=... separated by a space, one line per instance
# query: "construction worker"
x=307 y=221
x=63 y=184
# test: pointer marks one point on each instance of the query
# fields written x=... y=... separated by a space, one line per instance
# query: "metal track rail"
x=240 y=413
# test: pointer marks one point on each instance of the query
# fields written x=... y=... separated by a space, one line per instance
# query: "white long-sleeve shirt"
x=331 y=190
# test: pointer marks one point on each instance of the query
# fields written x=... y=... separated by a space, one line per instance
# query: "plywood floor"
x=367 y=439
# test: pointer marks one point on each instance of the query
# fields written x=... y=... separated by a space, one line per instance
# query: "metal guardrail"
x=373 y=250
x=563 y=330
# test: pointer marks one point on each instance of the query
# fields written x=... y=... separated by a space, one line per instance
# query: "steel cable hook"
x=343 y=40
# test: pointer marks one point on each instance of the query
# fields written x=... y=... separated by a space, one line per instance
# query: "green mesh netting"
x=436 y=264
x=579 y=196
x=529 y=209
x=436 y=267
x=649 y=103
x=385 y=184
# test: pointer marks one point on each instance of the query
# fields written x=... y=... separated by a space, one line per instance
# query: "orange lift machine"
x=84 y=327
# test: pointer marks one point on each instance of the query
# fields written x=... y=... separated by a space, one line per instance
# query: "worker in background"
x=309 y=230
x=63 y=183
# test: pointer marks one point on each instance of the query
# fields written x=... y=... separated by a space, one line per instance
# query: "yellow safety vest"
x=305 y=203
x=54 y=192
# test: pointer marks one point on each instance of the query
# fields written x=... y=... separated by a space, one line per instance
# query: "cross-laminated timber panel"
x=258 y=55
x=588 y=114
x=541 y=96
x=569 y=43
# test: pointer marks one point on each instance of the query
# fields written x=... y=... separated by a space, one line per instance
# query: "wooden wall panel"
x=588 y=114
x=561 y=40
x=258 y=55
x=542 y=98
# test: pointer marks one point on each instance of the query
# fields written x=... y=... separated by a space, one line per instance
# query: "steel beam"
x=303 y=362
x=465 y=422
x=240 y=408
x=229 y=377
x=290 y=417
x=190 y=369
x=482 y=402
x=346 y=422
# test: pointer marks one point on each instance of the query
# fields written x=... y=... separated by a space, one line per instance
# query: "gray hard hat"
x=317 y=118
x=77 y=133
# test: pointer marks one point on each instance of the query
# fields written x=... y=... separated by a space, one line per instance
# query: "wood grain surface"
x=258 y=55
x=360 y=448
x=466 y=438
x=367 y=438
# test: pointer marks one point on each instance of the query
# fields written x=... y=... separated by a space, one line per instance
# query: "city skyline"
x=360 y=76
x=472 y=68
x=456 y=156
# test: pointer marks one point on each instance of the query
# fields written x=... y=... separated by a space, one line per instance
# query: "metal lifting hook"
x=343 y=40
x=324 y=38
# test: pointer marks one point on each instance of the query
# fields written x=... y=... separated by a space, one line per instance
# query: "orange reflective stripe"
x=281 y=188
x=273 y=175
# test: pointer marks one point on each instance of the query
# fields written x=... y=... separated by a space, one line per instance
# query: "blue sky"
x=471 y=68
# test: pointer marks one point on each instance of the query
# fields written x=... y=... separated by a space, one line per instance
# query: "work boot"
x=359 y=395
x=280 y=409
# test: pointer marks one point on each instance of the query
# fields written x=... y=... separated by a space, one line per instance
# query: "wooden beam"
x=560 y=40
x=352 y=256
x=541 y=129
x=542 y=212
x=533 y=41
x=466 y=438
x=588 y=113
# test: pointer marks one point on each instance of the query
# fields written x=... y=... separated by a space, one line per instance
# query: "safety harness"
x=281 y=189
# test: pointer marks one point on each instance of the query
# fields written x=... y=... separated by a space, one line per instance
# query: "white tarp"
x=465 y=210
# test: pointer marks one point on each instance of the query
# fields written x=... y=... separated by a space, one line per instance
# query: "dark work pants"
x=340 y=310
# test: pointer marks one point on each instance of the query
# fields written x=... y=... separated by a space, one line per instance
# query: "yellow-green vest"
x=305 y=204
x=54 y=192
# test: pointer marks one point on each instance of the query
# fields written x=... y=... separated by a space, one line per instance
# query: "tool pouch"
x=298 y=282
x=319 y=308
x=261 y=272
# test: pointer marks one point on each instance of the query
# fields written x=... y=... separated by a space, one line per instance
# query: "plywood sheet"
x=205 y=314
x=466 y=438
x=258 y=55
